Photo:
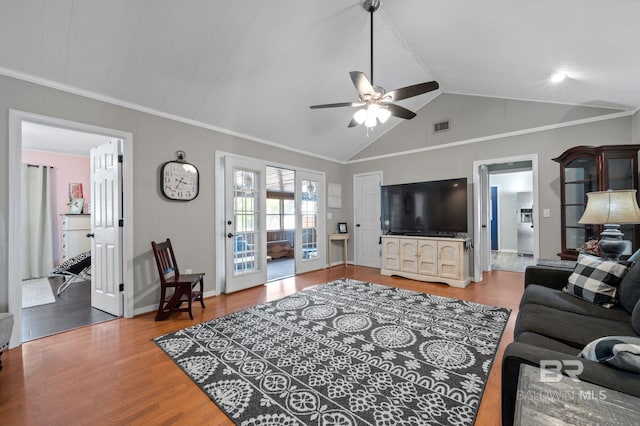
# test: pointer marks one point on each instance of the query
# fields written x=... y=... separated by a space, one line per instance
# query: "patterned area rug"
x=345 y=353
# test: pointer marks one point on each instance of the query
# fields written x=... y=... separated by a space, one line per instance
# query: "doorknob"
x=90 y=235
x=357 y=225
x=230 y=235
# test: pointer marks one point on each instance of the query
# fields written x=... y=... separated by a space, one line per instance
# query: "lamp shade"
x=613 y=206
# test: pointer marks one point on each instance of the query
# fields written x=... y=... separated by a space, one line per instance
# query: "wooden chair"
x=170 y=277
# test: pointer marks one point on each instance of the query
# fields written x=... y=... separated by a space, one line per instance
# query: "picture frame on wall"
x=342 y=227
x=75 y=191
x=75 y=206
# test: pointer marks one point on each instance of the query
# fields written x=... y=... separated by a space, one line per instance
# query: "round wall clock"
x=180 y=180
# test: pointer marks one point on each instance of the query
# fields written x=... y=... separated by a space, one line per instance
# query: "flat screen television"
x=425 y=208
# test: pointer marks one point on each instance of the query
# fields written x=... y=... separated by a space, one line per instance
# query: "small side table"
x=569 y=402
x=339 y=237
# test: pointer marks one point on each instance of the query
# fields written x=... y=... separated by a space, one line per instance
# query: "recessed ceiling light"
x=558 y=77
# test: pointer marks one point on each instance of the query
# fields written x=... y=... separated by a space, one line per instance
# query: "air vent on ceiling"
x=441 y=126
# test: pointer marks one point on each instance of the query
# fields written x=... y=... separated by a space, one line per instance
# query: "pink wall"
x=67 y=169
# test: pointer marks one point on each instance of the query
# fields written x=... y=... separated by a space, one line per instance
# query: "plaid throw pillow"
x=596 y=280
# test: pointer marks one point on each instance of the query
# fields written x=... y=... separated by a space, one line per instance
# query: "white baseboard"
x=153 y=308
x=339 y=263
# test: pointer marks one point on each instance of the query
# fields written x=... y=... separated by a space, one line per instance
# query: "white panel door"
x=485 y=219
x=106 y=245
x=311 y=236
x=367 y=218
x=245 y=224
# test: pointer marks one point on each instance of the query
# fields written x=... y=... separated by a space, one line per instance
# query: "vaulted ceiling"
x=253 y=67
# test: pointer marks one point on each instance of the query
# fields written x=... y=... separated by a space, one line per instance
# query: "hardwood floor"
x=112 y=373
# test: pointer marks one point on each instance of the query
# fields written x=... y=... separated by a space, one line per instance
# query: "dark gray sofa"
x=554 y=325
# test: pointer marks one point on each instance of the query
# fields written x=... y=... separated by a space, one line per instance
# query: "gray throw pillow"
x=629 y=288
x=622 y=352
x=596 y=280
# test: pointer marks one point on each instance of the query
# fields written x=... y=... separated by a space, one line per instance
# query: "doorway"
x=511 y=209
x=20 y=123
x=509 y=176
x=281 y=223
x=57 y=298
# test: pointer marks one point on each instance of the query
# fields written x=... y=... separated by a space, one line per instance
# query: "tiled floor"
x=509 y=261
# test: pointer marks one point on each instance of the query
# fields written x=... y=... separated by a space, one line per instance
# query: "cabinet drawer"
x=73 y=222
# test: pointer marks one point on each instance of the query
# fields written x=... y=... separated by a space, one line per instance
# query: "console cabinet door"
x=409 y=255
x=450 y=259
x=390 y=254
x=427 y=257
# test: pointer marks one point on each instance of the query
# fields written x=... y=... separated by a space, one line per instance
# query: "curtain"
x=37 y=222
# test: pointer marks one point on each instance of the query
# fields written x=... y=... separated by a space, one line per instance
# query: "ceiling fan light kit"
x=375 y=105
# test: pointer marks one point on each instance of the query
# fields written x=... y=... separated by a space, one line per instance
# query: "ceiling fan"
x=376 y=103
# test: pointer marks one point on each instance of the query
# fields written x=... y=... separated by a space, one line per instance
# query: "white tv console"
x=426 y=259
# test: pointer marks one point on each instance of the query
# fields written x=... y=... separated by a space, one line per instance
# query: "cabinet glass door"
x=620 y=173
x=580 y=177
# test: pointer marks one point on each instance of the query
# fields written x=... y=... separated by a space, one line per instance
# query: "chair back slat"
x=165 y=259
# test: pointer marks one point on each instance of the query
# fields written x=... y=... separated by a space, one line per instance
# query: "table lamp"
x=611 y=208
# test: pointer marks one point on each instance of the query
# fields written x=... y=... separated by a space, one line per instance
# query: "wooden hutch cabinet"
x=586 y=169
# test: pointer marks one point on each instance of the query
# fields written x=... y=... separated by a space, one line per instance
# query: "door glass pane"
x=309 y=214
x=289 y=219
x=620 y=174
x=273 y=214
x=575 y=237
x=246 y=214
x=575 y=193
x=573 y=215
x=578 y=235
x=582 y=169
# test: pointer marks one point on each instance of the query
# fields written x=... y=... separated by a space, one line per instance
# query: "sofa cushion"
x=541 y=341
x=596 y=280
x=565 y=302
x=635 y=318
x=622 y=352
x=629 y=288
x=568 y=327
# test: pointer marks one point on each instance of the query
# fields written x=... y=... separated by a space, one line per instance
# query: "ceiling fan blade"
x=336 y=105
x=411 y=91
x=363 y=86
x=353 y=123
x=398 y=111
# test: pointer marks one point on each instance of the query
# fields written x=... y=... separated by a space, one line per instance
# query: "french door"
x=245 y=224
x=311 y=236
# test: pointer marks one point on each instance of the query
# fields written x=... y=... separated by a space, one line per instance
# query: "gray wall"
x=473 y=117
x=189 y=225
x=457 y=161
